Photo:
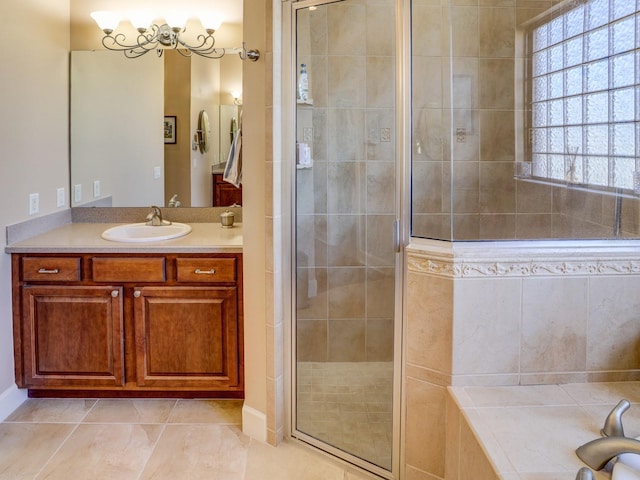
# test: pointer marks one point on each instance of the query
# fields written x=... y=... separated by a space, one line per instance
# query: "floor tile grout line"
x=146 y=462
x=53 y=455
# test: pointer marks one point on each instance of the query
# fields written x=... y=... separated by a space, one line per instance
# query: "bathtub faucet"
x=597 y=453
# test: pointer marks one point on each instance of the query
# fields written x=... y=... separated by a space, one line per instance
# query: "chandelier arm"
x=145 y=43
x=204 y=49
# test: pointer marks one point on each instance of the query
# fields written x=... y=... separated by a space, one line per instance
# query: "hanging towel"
x=233 y=170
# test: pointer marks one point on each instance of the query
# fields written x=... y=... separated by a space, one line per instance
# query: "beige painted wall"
x=177 y=102
x=255 y=143
x=33 y=129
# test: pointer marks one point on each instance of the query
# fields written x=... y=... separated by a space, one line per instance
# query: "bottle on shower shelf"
x=303 y=83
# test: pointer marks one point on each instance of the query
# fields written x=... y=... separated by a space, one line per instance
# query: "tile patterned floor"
x=348 y=405
x=148 y=439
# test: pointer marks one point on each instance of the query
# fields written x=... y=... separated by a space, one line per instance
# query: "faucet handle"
x=613 y=423
x=584 y=474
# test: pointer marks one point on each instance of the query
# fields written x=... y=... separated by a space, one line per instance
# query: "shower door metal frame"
x=288 y=69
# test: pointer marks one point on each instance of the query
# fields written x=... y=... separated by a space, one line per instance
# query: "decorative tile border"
x=491 y=259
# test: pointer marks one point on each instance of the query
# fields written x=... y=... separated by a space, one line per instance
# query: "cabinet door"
x=224 y=193
x=73 y=336
x=187 y=337
x=228 y=195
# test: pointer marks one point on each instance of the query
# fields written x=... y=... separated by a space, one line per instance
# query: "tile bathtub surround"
x=142 y=439
x=524 y=313
x=531 y=432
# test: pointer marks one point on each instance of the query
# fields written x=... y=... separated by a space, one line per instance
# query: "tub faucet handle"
x=584 y=474
x=613 y=423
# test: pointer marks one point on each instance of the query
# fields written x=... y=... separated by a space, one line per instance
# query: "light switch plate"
x=96 y=188
x=34 y=203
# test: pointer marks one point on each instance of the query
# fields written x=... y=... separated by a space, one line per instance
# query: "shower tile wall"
x=345 y=201
x=464 y=149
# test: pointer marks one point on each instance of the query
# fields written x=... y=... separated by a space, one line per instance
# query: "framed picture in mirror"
x=170 y=129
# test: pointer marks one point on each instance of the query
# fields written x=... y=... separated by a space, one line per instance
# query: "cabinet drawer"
x=206 y=269
x=51 y=269
x=128 y=269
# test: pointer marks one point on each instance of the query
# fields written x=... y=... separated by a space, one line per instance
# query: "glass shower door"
x=345 y=213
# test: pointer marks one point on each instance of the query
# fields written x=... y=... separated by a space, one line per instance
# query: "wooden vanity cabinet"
x=128 y=325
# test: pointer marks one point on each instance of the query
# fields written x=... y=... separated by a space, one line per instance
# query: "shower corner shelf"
x=308 y=102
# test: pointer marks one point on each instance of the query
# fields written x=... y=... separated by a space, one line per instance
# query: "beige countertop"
x=85 y=237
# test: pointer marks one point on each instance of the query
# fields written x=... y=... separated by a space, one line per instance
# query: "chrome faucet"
x=613 y=423
x=597 y=453
x=174 y=202
x=601 y=451
x=155 y=217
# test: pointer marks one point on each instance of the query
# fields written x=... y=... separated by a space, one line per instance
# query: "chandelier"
x=156 y=37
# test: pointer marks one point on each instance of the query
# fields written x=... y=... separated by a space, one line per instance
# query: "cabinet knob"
x=136 y=294
x=115 y=293
x=205 y=272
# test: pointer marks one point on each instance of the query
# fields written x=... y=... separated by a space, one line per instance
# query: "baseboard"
x=254 y=423
x=11 y=399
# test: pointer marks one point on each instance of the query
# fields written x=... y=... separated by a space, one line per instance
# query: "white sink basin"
x=141 y=232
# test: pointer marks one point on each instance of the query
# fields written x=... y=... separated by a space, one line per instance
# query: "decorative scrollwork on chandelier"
x=158 y=37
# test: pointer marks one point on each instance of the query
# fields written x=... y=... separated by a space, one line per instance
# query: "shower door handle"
x=396 y=236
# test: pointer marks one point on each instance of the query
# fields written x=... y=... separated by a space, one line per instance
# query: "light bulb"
x=176 y=19
x=107 y=21
x=210 y=20
x=140 y=19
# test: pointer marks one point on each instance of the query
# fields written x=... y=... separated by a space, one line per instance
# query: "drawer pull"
x=205 y=272
x=115 y=293
x=136 y=294
x=49 y=271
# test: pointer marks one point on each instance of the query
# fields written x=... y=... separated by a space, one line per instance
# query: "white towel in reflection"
x=233 y=170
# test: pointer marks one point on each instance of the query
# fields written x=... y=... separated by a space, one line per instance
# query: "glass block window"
x=584 y=92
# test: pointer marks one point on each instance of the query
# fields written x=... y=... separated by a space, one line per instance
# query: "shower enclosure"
x=523 y=124
x=345 y=219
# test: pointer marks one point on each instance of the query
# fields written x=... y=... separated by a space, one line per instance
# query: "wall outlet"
x=96 y=188
x=157 y=172
x=77 y=192
x=385 y=134
x=34 y=203
x=60 y=200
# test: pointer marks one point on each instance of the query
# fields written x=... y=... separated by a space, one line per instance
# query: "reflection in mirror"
x=204 y=131
x=118 y=155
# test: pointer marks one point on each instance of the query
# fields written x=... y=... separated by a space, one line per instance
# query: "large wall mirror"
x=135 y=137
